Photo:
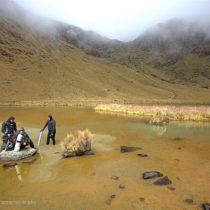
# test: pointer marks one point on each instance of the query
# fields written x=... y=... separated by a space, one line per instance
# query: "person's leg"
x=53 y=139
x=48 y=138
x=4 y=138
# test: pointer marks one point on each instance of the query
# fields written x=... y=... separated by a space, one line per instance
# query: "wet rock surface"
x=163 y=181
x=14 y=156
x=121 y=186
x=124 y=149
x=9 y=165
x=142 y=155
x=141 y=199
x=66 y=155
x=30 y=161
x=115 y=177
x=188 y=200
x=206 y=206
x=109 y=200
x=151 y=174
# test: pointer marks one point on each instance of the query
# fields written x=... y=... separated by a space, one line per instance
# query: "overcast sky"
x=117 y=19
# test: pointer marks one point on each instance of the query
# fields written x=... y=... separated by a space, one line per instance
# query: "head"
x=12 y=119
x=22 y=130
x=49 y=117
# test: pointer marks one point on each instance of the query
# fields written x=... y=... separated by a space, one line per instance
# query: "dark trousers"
x=5 y=140
x=51 y=136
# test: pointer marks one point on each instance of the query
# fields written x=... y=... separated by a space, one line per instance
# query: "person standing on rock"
x=51 y=129
x=8 y=129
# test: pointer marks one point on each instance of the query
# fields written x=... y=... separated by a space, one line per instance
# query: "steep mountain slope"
x=44 y=61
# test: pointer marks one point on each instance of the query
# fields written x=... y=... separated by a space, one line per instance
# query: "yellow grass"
x=78 y=143
x=195 y=113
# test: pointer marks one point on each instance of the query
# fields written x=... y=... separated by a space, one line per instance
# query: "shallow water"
x=180 y=151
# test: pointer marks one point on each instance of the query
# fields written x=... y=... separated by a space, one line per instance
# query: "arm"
x=45 y=126
x=54 y=126
x=3 y=128
x=15 y=127
x=31 y=144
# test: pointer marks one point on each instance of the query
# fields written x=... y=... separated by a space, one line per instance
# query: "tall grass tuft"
x=78 y=143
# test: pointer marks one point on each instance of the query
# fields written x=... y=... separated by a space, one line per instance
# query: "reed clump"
x=184 y=113
x=77 y=143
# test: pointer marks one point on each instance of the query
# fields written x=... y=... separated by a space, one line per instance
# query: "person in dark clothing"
x=8 y=129
x=26 y=140
x=51 y=129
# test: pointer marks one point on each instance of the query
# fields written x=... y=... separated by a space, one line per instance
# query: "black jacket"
x=51 y=126
x=9 y=127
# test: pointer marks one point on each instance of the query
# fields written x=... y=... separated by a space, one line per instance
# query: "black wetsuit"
x=51 y=130
x=8 y=128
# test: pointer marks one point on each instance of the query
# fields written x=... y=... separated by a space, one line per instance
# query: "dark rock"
x=171 y=188
x=124 y=149
x=163 y=181
x=9 y=164
x=121 y=186
x=66 y=155
x=179 y=148
x=109 y=200
x=30 y=162
x=113 y=196
x=151 y=174
x=188 y=200
x=115 y=177
x=142 y=155
x=141 y=199
x=206 y=206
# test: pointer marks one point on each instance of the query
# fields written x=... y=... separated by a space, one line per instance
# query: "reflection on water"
x=179 y=150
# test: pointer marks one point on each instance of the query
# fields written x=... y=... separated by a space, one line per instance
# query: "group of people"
x=10 y=134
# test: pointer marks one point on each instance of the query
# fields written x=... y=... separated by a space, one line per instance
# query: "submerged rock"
x=141 y=199
x=206 y=206
x=9 y=164
x=151 y=174
x=124 y=149
x=121 y=186
x=115 y=177
x=66 y=155
x=163 y=181
x=14 y=156
x=142 y=155
x=188 y=200
x=30 y=161
x=109 y=200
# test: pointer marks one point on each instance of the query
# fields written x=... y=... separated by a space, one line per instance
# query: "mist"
x=121 y=20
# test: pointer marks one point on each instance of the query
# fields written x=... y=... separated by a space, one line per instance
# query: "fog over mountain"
x=122 y=20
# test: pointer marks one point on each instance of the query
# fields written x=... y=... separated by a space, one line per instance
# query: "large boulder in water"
x=14 y=156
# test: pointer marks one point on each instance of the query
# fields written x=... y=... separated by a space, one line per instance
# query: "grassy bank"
x=193 y=113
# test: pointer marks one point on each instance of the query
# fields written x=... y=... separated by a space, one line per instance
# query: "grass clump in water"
x=79 y=143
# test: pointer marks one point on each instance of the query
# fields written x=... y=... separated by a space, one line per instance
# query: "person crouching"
x=19 y=141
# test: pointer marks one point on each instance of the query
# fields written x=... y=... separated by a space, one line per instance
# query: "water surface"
x=180 y=151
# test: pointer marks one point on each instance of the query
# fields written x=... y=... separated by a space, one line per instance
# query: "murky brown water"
x=84 y=182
